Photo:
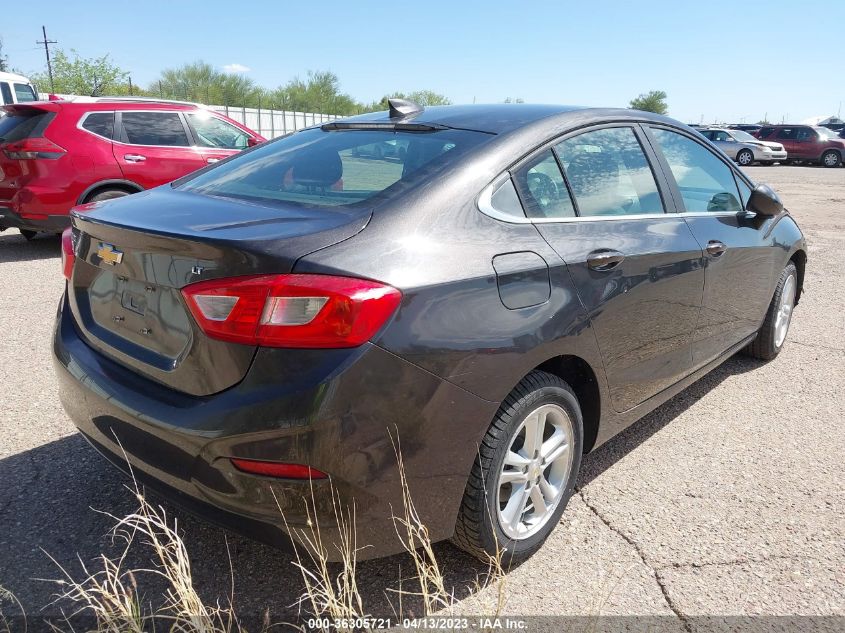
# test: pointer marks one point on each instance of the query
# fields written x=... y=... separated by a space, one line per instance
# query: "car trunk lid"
x=133 y=256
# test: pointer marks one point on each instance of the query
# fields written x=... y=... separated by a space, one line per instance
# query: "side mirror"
x=764 y=201
x=252 y=141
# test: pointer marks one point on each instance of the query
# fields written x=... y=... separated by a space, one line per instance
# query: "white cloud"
x=236 y=68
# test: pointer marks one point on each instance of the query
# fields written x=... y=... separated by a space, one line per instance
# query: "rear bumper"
x=10 y=219
x=331 y=409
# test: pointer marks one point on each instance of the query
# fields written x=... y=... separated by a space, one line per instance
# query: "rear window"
x=20 y=125
x=335 y=168
x=100 y=123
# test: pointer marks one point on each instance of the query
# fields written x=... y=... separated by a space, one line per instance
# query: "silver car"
x=744 y=148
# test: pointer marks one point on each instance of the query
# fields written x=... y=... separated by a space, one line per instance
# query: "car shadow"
x=598 y=461
x=54 y=500
x=15 y=248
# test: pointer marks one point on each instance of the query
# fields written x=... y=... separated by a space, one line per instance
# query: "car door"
x=786 y=137
x=637 y=269
x=154 y=147
x=739 y=260
x=807 y=143
x=726 y=143
x=215 y=138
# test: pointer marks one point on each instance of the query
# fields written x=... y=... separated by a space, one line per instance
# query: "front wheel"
x=525 y=471
x=772 y=335
x=745 y=157
x=831 y=158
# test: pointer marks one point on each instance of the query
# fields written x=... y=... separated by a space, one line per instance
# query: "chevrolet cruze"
x=518 y=286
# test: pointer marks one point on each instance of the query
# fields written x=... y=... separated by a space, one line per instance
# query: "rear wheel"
x=831 y=158
x=745 y=157
x=525 y=471
x=27 y=234
x=772 y=334
x=108 y=194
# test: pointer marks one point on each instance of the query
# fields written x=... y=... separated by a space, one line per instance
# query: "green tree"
x=4 y=61
x=318 y=92
x=420 y=97
x=77 y=75
x=201 y=82
x=654 y=101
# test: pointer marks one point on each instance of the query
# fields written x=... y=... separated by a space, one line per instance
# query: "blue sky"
x=726 y=60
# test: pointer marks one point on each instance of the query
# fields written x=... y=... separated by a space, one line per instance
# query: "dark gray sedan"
x=517 y=288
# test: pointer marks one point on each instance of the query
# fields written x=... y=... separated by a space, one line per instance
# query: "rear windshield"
x=20 y=125
x=335 y=168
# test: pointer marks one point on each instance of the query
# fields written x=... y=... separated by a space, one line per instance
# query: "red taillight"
x=277 y=469
x=311 y=311
x=68 y=256
x=32 y=148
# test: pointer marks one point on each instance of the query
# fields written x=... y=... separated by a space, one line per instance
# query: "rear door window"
x=609 y=173
x=100 y=123
x=319 y=167
x=6 y=93
x=154 y=128
x=706 y=183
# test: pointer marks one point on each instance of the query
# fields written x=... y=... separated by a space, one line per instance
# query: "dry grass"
x=7 y=596
x=328 y=594
x=112 y=593
x=112 y=597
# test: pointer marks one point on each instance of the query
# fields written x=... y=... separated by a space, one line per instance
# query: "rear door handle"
x=604 y=259
x=134 y=158
x=715 y=248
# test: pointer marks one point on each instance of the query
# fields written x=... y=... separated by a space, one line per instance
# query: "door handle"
x=134 y=158
x=212 y=160
x=604 y=259
x=715 y=248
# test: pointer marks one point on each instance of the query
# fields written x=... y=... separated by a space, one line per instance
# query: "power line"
x=47 y=43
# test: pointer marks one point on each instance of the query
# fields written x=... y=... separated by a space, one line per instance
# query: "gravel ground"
x=728 y=500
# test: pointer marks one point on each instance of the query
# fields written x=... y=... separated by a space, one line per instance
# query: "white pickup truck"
x=16 y=89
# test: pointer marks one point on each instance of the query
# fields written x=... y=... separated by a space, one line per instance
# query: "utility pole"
x=130 y=85
x=47 y=43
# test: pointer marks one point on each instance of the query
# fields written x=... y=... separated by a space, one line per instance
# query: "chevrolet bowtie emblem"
x=109 y=254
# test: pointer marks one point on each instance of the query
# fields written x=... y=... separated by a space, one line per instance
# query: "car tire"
x=107 y=194
x=831 y=158
x=551 y=404
x=27 y=234
x=745 y=157
x=772 y=335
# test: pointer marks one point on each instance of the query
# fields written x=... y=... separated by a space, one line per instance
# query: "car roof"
x=501 y=118
x=13 y=77
x=94 y=106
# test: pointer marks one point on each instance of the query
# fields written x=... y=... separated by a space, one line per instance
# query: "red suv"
x=57 y=154
x=806 y=143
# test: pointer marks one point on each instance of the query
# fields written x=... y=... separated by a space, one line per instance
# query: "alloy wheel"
x=784 y=314
x=535 y=471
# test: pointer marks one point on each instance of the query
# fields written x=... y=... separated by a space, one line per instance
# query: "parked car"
x=57 y=154
x=530 y=282
x=383 y=149
x=744 y=148
x=806 y=143
x=16 y=89
x=745 y=127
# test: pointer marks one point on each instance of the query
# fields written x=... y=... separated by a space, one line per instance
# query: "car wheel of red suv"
x=831 y=158
x=108 y=194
